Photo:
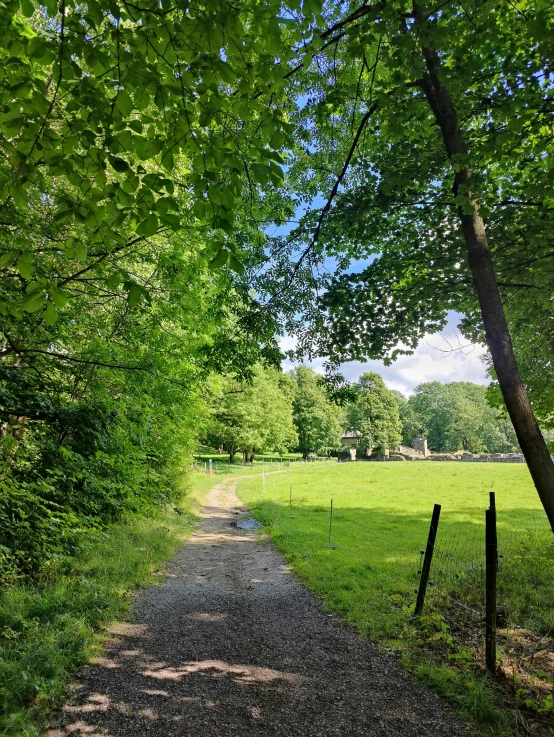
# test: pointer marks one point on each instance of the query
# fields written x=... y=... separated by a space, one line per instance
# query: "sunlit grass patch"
x=368 y=570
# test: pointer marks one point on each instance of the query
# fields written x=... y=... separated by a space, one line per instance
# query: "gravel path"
x=232 y=644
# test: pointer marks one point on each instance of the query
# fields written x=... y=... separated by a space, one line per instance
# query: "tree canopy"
x=182 y=184
x=374 y=414
x=252 y=417
x=456 y=416
x=425 y=174
x=128 y=120
x=318 y=420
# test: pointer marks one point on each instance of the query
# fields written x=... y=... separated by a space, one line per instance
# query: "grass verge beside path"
x=380 y=524
x=49 y=629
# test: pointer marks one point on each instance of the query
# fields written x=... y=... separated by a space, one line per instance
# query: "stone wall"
x=478 y=458
x=403 y=450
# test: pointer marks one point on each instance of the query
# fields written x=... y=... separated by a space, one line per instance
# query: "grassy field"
x=381 y=515
x=267 y=461
x=380 y=523
x=50 y=627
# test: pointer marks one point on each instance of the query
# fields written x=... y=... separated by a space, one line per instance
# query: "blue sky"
x=442 y=357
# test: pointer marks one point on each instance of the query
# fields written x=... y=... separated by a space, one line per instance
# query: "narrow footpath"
x=232 y=644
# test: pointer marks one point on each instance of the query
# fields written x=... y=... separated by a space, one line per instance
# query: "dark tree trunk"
x=497 y=333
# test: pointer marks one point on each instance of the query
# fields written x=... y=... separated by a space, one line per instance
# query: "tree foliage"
x=98 y=411
x=426 y=132
x=318 y=420
x=136 y=140
x=454 y=417
x=374 y=414
x=253 y=416
x=130 y=119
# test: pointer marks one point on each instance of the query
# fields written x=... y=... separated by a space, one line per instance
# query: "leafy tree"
x=254 y=416
x=411 y=423
x=318 y=421
x=137 y=141
x=417 y=136
x=374 y=414
x=99 y=409
x=532 y=317
x=456 y=416
x=134 y=119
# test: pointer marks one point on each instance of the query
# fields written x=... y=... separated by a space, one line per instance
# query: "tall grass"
x=50 y=627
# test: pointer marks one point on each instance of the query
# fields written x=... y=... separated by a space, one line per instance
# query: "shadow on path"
x=231 y=644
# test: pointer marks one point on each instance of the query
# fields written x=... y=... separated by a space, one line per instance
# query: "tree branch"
x=124 y=367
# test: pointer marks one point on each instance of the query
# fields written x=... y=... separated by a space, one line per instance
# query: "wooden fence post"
x=491 y=560
x=424 y=580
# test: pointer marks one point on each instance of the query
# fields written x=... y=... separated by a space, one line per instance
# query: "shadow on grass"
x=367 y=565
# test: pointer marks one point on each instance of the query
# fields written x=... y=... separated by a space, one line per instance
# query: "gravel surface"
x=232 y=644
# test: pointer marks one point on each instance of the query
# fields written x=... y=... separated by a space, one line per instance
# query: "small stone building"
x=351 y=439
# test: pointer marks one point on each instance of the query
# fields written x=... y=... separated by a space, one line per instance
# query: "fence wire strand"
x=456 y=593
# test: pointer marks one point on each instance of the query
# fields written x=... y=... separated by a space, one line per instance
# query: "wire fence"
x=220 y=466
x=456 y=622
x=523 y=613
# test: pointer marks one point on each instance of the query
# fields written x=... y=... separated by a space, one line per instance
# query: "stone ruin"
x=420 y=445
x=419 y=452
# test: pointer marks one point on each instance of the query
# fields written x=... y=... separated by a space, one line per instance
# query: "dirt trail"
x=232 y=644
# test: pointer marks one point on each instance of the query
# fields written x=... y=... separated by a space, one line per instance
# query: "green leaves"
x=124 y=103
x=58 y=297
x=7 y=259
x=148 y=227
x=119 y=165
x=220 y=260
x=37 y=47
x=25 y=265
x=50 y=314
x=132 y=126
x=236 y=265
x=27 y=8
x=81 y=252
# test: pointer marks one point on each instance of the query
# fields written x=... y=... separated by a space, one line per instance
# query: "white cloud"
x=442 y=357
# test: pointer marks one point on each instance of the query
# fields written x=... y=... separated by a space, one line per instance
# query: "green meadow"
x=366 y=568
x=381 y=516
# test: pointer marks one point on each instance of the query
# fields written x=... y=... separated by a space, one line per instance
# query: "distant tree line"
x=285 y=412
x=455 y=416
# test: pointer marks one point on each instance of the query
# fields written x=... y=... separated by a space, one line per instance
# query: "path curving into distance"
x=231 y=644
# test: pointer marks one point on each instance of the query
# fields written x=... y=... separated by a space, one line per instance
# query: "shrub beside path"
x=232 y=644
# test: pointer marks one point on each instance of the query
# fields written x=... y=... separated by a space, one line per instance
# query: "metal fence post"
x=424 y=580
x=330 y=528
x=491 y=560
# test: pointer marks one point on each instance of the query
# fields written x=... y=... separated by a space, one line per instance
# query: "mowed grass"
x=381 y=516
x=267 y=462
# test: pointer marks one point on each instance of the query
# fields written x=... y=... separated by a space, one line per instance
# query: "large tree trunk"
x=484 y=279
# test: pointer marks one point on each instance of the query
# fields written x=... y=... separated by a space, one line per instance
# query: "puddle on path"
x=248 y=523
